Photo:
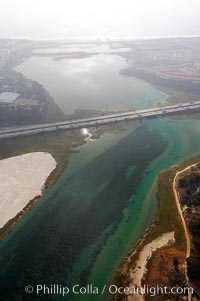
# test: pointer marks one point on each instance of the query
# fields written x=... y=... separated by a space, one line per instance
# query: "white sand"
x=138 y=273
x=22 y=178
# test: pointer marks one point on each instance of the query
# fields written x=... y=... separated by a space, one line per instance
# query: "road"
x=8 y=132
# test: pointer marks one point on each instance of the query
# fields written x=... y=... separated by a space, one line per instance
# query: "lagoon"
x=89 y=219
x=86 y=223
x=93 y=82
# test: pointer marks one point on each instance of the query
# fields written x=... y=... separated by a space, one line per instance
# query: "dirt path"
x=187 y=235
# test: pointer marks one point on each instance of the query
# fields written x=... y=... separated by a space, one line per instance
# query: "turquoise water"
x=183 y=142
x=88 y=221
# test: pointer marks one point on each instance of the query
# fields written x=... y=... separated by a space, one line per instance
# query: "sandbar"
x=22 y=179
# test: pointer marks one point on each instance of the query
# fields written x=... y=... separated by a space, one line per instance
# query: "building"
x=8 y=97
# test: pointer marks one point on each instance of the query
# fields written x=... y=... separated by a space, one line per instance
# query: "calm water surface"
x=88 y=220
x=86 y=223
x=90 y=83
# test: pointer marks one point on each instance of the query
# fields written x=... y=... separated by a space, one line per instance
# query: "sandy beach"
x=139 y=271
x=22 y=178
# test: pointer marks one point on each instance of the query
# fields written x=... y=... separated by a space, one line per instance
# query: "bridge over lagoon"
x=168 y=110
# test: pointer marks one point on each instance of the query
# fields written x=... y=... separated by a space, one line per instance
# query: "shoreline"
x=145 y=254
x=23 y=180
x=69 y=143
x=155 y=230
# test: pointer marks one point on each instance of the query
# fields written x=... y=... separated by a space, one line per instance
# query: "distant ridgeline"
x=24 y=101
x=185 y=85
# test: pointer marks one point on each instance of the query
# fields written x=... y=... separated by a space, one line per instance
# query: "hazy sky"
x=67 y=19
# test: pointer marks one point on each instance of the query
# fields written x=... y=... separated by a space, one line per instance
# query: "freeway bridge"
x=168 y=110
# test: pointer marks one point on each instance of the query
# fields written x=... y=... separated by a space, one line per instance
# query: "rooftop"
x=8 y=97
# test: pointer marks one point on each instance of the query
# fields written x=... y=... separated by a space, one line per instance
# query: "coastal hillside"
x=189 y=186
x=22 y=100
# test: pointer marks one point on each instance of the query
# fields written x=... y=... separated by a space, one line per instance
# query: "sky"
x=102 y=19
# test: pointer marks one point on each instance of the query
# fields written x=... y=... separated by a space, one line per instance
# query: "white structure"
x=8 y=132
x=8 y=97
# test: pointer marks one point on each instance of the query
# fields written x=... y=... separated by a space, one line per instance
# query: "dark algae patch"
x=76 y=216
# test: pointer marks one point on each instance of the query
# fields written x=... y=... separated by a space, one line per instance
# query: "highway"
x=189 y=107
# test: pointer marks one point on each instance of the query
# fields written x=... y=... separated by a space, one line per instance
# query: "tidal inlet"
x=99 y=152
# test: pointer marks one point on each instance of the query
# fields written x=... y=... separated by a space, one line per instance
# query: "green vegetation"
x=59 y=144
x=90 y=202
x=38 y=106
x=167 y=219
x=177 y=96
x=190 y=197
x=185 y=85
x=189 y=184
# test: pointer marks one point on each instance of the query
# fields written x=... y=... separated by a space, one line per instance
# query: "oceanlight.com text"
x=89 y=289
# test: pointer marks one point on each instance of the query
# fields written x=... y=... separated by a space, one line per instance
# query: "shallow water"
x=87 y=222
